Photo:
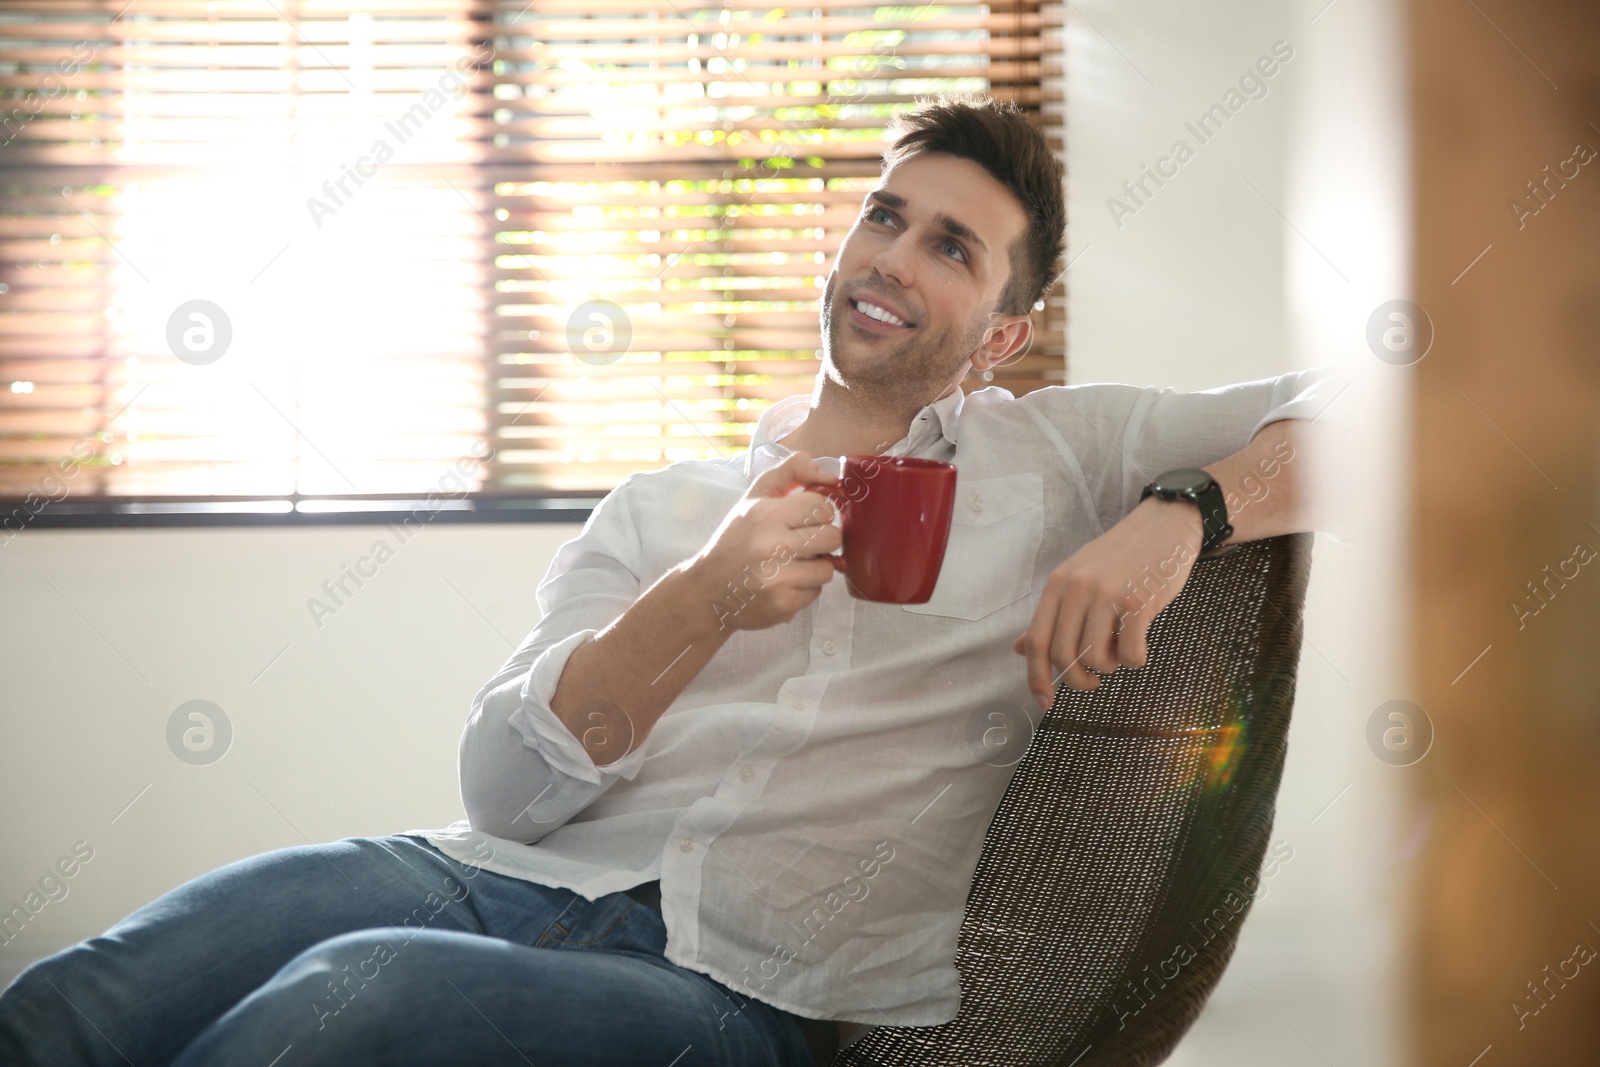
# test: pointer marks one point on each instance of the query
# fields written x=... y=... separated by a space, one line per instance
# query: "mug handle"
x=834 y=493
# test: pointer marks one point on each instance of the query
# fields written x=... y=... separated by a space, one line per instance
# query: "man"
x=719 y=811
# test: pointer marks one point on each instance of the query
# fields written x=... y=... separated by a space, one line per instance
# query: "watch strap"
x=1214 y=522
x=1215 y=528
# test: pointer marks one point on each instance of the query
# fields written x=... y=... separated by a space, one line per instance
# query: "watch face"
x=1186 y=479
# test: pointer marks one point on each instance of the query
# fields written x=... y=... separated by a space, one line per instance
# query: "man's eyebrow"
x=949 y=224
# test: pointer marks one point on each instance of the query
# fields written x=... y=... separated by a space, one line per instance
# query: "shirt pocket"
x=995 y=532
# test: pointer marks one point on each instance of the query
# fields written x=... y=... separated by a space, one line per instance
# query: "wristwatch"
x=1199 y=488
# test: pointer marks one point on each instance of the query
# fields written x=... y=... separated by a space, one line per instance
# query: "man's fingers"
x=818 y=540
x=1099 y=637
x=809 y=511
x=803 y=507
x=1072 y=641
x=1131 y=640
x=796 y=469
x=810 y=573
x=1070 y=669
x=1073 y=674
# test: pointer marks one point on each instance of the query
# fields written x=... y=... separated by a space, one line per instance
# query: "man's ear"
x=1005 y=336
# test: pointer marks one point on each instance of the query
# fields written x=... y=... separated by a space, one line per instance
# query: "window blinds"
x=319 y=255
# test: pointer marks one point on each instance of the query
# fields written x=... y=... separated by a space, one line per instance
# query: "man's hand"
x=767 y=560
x=1098 y=605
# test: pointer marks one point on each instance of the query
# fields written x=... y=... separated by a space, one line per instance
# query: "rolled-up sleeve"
x=523 y=773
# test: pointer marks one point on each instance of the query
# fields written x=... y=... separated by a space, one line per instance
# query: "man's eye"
x=874 y=212
x=959 y=251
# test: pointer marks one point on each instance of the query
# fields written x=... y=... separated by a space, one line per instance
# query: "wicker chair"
x=1122 y=860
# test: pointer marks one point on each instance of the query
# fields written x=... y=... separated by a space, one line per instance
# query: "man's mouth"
x=874 y=316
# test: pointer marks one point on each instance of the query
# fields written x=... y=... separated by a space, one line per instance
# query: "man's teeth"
x=873 y=311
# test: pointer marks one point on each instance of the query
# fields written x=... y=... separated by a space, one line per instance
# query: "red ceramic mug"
x=895 y=514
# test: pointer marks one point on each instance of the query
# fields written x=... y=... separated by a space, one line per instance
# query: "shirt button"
x=686 y=844
x=829 y=647
x=798 y=704
x=747 y=773
x=977 y=503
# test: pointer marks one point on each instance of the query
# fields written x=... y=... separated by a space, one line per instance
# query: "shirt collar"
x=767 y=450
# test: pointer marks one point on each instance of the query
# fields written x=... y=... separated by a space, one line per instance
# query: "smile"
x=878 y=314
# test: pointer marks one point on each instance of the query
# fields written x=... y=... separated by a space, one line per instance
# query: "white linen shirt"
x=815 y=801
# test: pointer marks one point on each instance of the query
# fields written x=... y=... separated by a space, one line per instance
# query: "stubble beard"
x=896 y=380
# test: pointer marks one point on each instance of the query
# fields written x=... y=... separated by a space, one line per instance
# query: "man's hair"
x=998 y=137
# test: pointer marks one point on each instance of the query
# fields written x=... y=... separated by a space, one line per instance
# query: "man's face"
x=913 y=290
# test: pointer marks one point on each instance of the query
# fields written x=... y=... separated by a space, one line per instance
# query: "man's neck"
x=841 y=423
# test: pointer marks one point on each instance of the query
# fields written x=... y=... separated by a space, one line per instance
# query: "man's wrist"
x=1184 y=518
x=1200 y=487
x=702 y=587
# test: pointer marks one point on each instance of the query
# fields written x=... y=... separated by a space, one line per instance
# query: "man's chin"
x=868 y=348
x=863 y=368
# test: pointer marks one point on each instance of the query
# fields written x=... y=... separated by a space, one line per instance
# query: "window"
x=316 y=259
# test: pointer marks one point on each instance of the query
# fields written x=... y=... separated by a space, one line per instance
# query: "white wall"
x=1267 y=252
x=352 y=730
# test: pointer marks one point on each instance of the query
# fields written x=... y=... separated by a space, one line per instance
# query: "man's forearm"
x=619 y=682
x=1264 y=484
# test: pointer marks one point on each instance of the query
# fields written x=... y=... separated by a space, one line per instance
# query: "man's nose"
x=897 y=261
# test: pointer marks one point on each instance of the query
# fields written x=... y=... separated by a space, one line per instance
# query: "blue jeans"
x=383 y=950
